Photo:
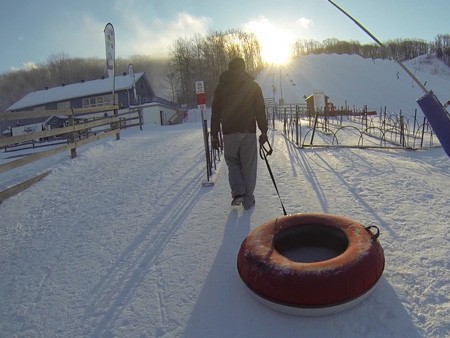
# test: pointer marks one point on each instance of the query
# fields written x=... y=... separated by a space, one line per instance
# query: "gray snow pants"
x=241 y=156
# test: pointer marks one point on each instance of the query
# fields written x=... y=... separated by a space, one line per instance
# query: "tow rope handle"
x=377 y=231
x=263 y=153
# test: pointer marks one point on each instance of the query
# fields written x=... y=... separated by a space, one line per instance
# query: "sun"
x=275 y=43
x=274 y=50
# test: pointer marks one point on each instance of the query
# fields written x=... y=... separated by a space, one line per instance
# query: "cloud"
x=83 y=38
x=135 y=33
x=156 y=37
x=30 y=65
x=304 y=23
x=264 y=29
x=257 y=24
x=25 y=66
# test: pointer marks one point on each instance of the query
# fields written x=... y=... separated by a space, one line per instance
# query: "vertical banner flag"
x=110 y=49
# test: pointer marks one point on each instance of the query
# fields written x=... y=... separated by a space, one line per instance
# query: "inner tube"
x=311 y=264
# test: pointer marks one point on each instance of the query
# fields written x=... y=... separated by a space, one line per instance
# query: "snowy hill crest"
x=355 y=81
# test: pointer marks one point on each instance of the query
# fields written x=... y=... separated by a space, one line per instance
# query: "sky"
x=32 y=31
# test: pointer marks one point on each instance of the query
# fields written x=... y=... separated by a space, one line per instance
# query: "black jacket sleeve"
x=260 y=110
x=216 y=112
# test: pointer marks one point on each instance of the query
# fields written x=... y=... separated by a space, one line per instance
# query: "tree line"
x=199 y=58
x=62 y=69
x=398 y=49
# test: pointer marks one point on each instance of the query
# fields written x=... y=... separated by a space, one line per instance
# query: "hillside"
x=355 y=81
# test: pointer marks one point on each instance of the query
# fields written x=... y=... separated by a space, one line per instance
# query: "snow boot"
x=237 y=200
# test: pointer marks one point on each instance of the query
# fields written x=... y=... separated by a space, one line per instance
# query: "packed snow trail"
x=125 y=242
x=88 y=245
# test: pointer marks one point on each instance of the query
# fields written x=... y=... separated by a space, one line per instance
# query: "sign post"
x=201 y=99
x=201 y=103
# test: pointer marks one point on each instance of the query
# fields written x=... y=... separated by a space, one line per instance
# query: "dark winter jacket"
x=238 y=104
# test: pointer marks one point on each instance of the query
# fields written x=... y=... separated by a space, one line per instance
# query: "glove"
x=263 y=138
x=215 y=143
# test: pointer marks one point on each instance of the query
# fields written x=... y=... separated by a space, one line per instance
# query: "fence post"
x=274 y=108
x=314 y=128
x=415 y=121
x=206 y=144
x=116 y=124
x=141 y=119
x=208 y=159
x=296 y=123
x=423 y=131
x=73 y=151
x=402 y=131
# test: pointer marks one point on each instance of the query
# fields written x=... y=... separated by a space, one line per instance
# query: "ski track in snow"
x=397 y=191
x=137 y=248
x=151 y=218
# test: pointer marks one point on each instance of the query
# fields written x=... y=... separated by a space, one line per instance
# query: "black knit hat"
x=236 y=64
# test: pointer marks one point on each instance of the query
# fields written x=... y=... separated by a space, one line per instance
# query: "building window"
x=102 y=100
x=63 y=105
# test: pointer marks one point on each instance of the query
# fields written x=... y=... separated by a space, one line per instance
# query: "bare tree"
x=442 y=47
x=205 y=58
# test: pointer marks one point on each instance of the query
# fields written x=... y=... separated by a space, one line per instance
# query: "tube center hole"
x=310 y=243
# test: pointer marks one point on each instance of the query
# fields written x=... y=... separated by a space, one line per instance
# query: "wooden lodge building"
x=131 y=90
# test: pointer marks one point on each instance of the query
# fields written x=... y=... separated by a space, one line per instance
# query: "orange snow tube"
x=311 y=264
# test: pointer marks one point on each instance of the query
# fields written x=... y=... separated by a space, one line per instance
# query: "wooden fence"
x=85 y=125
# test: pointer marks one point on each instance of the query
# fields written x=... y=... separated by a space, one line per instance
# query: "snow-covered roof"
x=75 y=90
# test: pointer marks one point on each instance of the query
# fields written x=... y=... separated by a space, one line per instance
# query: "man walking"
x=238 y=104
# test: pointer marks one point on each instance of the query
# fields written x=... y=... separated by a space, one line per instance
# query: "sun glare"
x=275 y=43
x=274 y=50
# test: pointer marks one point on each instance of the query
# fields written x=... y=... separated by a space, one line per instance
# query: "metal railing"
x=367 y=128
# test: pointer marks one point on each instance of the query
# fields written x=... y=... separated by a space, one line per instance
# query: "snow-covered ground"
x=124 y=241
x=350 y=80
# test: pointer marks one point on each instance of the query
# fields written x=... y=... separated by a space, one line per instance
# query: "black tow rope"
x=263 y=153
